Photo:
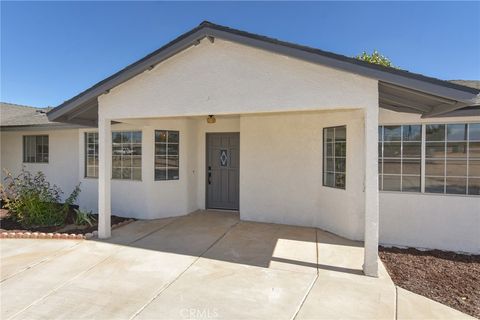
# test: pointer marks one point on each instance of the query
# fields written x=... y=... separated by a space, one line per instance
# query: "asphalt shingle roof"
x=12 y=115
x=468 y=83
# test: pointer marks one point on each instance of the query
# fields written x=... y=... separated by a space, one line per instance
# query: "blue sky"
x=51 y=51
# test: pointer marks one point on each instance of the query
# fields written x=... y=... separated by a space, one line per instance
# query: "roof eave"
x=462 y=94
x=48 y=126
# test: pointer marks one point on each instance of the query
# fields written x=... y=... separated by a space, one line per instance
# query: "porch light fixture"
x=211 y=118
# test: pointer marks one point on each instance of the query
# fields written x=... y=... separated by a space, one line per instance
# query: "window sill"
x=431 y=194
x=35 y=162
x=336 y=188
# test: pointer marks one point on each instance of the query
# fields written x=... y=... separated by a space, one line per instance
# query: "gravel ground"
x=447 y=277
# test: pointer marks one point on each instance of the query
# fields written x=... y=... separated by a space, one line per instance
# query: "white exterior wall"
x=281 y=171
x=281 y=153
x=62 y=166
x=226 y=78
x=448 y=222
x=150 y=199
x=229 y=78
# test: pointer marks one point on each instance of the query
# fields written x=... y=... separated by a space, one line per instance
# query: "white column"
x=104 y=177
x=370 y=262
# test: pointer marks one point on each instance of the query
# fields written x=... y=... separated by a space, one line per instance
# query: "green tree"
x=376 y=58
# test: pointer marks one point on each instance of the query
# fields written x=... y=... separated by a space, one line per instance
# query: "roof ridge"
x=20 y=105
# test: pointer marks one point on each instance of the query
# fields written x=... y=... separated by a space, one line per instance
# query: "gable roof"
x=453 y=96
x=19 y=116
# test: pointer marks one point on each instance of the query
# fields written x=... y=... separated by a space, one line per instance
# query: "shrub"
x=33 y=201
x=83 y=218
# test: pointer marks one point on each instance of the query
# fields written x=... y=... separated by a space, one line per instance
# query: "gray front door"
x=223 y=164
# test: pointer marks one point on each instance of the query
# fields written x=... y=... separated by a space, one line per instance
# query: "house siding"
x=448 y=222
x=63 y=157
x=276 y=185
x=230 y=78
x=281 y=172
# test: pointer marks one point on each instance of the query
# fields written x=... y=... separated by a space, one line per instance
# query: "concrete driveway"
x=206 y=265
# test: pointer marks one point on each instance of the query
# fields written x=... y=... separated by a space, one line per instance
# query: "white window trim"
x=324 y=157
x=23 y=149
x=423 y=159
x=141 y=156
x=167 y=143
x=85 y=145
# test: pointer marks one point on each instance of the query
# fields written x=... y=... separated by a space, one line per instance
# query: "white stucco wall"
x=281 y=171
x=229 y=78
x=281 y=153
x=448 y=222
x=62 y=166
x=150 y=199
x=276 y=184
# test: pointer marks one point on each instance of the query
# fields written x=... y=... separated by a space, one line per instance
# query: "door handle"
x=209 y=175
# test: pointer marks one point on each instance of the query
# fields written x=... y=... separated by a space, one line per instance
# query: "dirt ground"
x=447 y=277
x=7 y=223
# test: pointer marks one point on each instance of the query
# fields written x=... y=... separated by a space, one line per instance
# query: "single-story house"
x=224 y=119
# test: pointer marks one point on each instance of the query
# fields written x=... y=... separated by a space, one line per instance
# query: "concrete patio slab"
x=270 y=246
x=113 y=289
x=341 y=290
x=28 y=253
x=338 y=256
x=36 y=283
x=414 y=306
x=206 y=264
x=136 y=230
x=142 y=269
x=227 y=290
x=349 y=297
x=190 y=235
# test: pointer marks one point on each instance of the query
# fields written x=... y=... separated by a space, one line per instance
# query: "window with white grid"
x=91 y=154
x=167 y=154
x=399 y=163
x=334 y=156
x=35 y=149
x=127 y=155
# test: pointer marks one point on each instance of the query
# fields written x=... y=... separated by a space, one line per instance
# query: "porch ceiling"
x=401 y=99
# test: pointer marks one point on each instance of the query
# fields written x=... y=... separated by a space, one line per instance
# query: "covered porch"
x=281 y=173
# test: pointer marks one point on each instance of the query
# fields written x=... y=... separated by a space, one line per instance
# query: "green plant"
x=83 y=218
x=33 y=201
x=376 y=58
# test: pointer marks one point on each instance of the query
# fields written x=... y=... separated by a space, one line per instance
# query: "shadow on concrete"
x=222 y=236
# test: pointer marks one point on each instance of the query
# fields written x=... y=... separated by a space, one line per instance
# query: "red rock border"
x=55 y=235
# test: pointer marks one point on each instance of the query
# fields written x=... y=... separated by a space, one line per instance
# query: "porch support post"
x=370 y=263
x=104 y=173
